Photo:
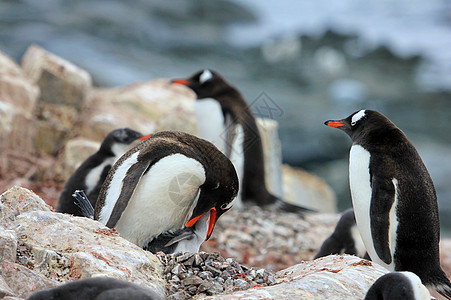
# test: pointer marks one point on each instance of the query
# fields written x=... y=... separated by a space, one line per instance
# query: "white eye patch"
x=205 y=76
x=355 y=118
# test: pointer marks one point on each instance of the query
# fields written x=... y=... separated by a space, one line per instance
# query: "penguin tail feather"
x=288 y=207
x=82 y=201
x=443 y=288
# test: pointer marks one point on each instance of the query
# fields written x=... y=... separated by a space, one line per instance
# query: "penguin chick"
x=96 y=288
x=394 y=199
x=398 y=286
x=225 y=119
x=89 y=176
x=345 y=238
x=165 y=184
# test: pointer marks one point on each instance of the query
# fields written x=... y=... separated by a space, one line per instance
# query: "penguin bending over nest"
x=394 y=199
x=167 y=193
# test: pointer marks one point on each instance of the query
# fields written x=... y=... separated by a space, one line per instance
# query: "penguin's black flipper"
x=187 y=234
x=384 y=191
x=167 y=242
x=82 y=201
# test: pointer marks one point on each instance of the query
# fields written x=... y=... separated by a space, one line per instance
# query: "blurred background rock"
x=316 y=60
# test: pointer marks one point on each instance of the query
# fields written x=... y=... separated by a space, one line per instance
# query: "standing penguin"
x=89 y=176
x=345 y=238
x=398 y=286
x=165 y=184
x=394 y=199
x=225 y=119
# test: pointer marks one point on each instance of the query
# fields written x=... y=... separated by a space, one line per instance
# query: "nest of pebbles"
x=191 y=274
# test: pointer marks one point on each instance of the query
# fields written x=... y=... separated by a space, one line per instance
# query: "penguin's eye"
x=226 y=206
x=353 y=123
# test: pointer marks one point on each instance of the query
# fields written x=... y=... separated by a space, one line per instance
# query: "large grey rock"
x=63 y=247
x=23 y=281
x=18 y=96
x=146 y=107
x=305 y=189
x=331 y=277
x=64 y=89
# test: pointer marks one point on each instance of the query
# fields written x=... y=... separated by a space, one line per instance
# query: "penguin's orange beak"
x=180 y=81
x=144 y=137
x=211 y=222
x=334 y=123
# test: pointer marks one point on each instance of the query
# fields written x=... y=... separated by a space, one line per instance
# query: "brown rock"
x=23 y=281
x=8 y=245
x=54 y=126
x=60 y=81
x=4 y=289
x=18 y=96
x=16 y=201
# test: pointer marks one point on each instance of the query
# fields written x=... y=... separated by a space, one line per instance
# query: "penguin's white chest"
x=361 y=192
x=163 y=200
x=210 y=122
x=226 y=135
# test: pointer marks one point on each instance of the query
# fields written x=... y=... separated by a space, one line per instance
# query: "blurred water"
x=316 y=59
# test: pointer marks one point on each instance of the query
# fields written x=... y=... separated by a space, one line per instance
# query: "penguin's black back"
x=391 y=286
x=418 y=233
x=341 y=240
x=77 y=182
x=97 y=288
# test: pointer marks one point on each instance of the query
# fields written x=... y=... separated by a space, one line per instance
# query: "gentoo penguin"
x=96 y=288
x=394 y=199
x=225 y=119
x=345 y=238
x=398 y=286
x=169 y=182
x=89 y=176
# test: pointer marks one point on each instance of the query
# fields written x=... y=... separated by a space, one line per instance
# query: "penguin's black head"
x=217 y=194
x=353 y=124
x=362 y=123
x=205 y=83
x=117 y=141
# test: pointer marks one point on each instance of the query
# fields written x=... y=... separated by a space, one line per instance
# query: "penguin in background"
x=90 y=175
x=165 y=185
x=394 y=199
x=345 y=238
x=398 y=286
x=96 y=288
x=225 y=119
